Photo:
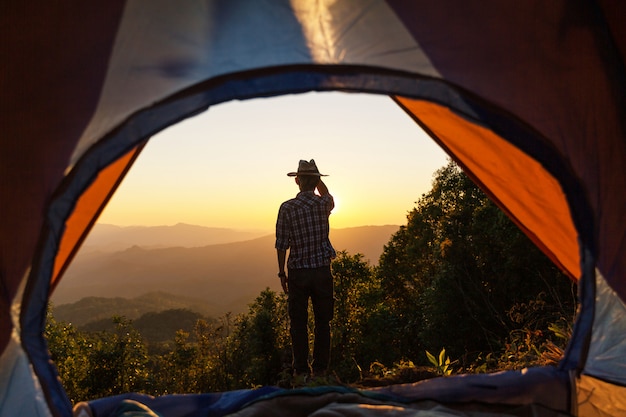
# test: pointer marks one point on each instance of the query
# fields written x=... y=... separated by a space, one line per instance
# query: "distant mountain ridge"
x=111 y=238
x=226 y=277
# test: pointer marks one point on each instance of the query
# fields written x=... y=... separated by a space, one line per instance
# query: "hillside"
x=92 y=309
x=226 y=277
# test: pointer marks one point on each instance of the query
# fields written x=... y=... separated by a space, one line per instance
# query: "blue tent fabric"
x=546 y=387
x=131 y=408
x=188 y=405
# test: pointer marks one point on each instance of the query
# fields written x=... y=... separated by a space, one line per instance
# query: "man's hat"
x=307 y=168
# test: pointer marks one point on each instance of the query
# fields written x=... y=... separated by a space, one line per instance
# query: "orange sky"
x=227 y=167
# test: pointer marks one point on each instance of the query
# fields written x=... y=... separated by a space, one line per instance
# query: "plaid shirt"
x=302 y=227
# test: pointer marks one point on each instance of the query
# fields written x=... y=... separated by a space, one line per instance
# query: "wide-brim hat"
x=307 y=168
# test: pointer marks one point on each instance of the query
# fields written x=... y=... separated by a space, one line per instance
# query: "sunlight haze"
x=227 y=166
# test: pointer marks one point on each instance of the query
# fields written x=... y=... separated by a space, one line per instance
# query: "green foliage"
x=259 y=345
x=349 y=339
x=197 y=361
x=99 y=364
x=452 y=274
x=162 y=326
x=68 y=348
x=442 y=365
x=117 y=361
x=403 y=371
x=538 y=340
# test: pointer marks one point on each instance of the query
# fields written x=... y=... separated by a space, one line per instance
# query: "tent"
x=529 y=97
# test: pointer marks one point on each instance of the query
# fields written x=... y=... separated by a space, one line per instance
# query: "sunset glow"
x=227 y=167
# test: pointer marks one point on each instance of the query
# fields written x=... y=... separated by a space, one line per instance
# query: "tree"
x=454 y=272
x=117 y=361
x=68 y=348
x=353 y=286
x=99 y=364
x=259 y=345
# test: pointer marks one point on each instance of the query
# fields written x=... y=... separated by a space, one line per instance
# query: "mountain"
x=154 y=327
x=227 y=277
x=110 y=238
x=366 y=240
x=92 y=309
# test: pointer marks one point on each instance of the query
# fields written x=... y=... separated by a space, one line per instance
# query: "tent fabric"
x=188 y=405
x=527 y=96
x=229 y=38
x=532 y=87
x=20 y=392
x=88 y=206
x=545 y=389
x=607 y=339
x=600 y=398
x=39 y=131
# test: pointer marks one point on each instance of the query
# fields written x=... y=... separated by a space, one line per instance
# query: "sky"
x=227 y=167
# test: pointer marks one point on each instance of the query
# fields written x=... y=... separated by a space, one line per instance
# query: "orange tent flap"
x=530 y=195
x=88 y=208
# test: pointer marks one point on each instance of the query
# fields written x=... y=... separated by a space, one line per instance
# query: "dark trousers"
x=316 y=284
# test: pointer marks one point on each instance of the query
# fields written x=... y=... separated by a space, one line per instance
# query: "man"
x=302 y=227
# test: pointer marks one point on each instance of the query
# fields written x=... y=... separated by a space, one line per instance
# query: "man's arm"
x=282 y=255
x=322 y=188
